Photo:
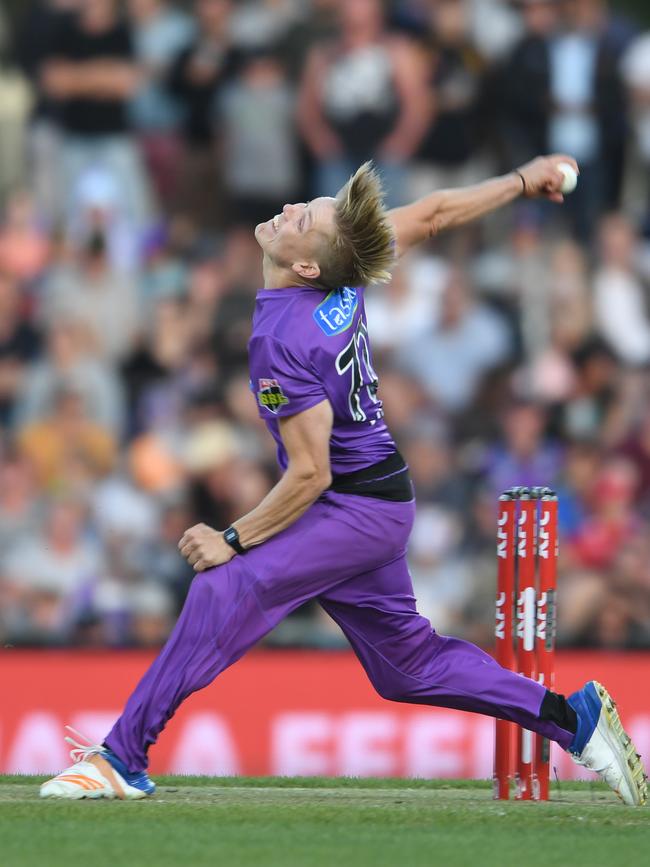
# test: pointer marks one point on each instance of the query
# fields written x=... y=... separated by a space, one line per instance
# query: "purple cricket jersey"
x=308 y=345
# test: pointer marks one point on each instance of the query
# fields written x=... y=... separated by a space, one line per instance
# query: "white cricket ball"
x=570 y=177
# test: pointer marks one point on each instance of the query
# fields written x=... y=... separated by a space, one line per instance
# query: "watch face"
x=232 y=538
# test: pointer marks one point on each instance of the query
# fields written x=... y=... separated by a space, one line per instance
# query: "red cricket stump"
x=504 y=634
x=526 y=616
x=547 y=545
x=527 y=549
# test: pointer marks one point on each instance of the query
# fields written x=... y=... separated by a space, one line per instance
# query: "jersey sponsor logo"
x=270 y=395
x=336 y=312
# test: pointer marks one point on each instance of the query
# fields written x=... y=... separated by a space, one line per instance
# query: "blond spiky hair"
x=363 y=249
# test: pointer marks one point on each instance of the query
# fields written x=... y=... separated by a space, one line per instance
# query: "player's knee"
x=203 y=594
x=391 y=689
x=200 y=586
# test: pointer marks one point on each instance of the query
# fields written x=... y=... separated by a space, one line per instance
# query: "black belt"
x=387 y=480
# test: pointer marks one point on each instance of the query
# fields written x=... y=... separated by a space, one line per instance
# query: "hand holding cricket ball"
x=550 y=177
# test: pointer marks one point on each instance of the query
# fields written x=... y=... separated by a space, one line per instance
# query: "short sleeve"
x=283 y=385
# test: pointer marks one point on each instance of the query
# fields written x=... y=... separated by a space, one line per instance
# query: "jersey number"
x=356 y=357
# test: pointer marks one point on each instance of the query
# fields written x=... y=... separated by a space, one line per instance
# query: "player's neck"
x=276 y=277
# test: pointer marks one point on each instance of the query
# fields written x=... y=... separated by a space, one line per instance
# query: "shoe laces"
x=84 y=750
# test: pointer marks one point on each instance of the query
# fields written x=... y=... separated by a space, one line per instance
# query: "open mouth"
x=276 y=222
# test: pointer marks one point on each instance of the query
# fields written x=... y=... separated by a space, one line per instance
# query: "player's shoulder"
x=302 y=320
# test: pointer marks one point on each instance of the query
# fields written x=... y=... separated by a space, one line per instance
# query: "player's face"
x=298 y=234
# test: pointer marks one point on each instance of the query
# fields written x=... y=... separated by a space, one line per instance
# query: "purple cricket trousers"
x=350 y=553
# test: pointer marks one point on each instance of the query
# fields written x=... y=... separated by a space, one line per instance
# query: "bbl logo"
x=271 y=395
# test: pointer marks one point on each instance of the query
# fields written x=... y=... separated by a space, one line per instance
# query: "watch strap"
x=231 y=537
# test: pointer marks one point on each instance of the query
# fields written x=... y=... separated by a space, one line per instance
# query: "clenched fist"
x=204 y=547
x=542 y=178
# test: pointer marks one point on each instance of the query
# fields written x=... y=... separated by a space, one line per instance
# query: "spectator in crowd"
x=19 y=345
x=588 y=105
x=40 y=24
x=636 y=448
x=24 y=246
x=103 y=301
x=316 y=23
x=450 y=153
x=15 y=105
x=92 y=74
x=636 y=73
x=574 y=485
x=160 y=32
x=619 y=292
x=363 y=96
x=128 y=600
x=401 y=311
x=467 y=340
x=18 y=500
x=258 y=24
x=524 y=456
x=163 y=557
x=552 y=335
x=195 y=77
x=67 y=363
x=41 y=573
x=564 y=93
x=601 y=404
x=525 y=81
x=66 y=448
x=612 y=522
x=262 y=172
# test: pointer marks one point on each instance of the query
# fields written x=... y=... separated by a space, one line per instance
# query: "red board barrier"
x=279 y=712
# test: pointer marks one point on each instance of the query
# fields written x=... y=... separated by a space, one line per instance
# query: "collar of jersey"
x=281 y=292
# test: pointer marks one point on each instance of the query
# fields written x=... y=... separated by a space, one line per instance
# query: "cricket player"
x=336 y=525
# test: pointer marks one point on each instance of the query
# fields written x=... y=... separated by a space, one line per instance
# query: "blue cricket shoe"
x=602 y=745
x=140 y=780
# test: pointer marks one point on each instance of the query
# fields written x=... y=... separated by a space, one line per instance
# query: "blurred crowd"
x=140 y=143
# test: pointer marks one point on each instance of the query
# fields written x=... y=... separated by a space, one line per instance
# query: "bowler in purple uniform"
x=335 y=527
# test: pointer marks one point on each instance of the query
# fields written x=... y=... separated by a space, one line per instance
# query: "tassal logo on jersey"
x=336 y=312
x=270 y=395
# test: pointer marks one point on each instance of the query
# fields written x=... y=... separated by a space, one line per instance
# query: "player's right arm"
x=447 y=209
x=306 y=439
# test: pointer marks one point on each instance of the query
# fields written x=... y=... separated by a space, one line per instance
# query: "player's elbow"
x=435 y=226
x=440 y=216
x=319 y=480
x=312 y=478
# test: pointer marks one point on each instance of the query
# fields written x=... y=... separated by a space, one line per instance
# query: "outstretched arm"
x=446 y=209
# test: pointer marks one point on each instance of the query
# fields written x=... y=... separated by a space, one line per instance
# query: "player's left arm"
x=447 y=209
x=306 y=438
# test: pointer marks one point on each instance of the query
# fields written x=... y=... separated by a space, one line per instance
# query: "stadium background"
x=515 y=352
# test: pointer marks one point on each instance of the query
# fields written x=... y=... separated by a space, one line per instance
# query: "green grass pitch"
x=316 y=822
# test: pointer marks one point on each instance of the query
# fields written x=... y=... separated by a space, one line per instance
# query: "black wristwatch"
x=231 y=536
